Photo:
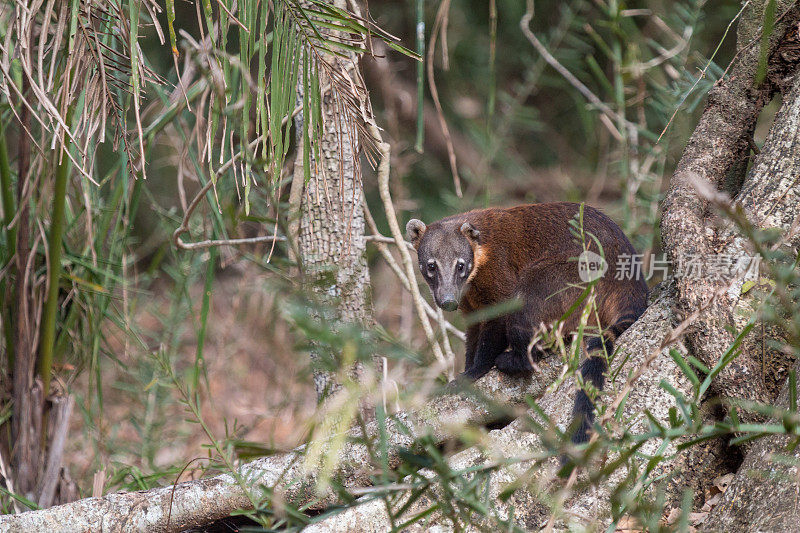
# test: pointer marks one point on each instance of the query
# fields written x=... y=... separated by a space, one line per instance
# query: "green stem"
x=7 y=194
x=199 y=362
x=420 y=12
x=54 y=272
x=7 y=198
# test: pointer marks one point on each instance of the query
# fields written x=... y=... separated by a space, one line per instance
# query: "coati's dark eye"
x=461 y=268
x=431 y=267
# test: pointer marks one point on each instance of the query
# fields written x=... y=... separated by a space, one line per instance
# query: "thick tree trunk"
x=763 y=495
x=331 y=228
x=721 y=140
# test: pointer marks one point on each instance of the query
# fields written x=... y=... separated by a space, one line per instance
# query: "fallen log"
x=194 y=503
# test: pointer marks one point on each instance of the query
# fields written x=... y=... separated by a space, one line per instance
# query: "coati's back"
x=519 y=238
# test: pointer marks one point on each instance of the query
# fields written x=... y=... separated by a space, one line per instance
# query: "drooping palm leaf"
x=282 y=47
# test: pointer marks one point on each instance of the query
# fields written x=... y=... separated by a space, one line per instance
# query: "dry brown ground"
x=255 y=378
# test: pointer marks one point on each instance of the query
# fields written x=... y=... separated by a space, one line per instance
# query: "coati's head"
x=446 y=258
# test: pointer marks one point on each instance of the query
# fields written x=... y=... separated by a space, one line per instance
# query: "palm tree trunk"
x=330 y=232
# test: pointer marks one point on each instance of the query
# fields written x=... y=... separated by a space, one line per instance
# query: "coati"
x=484 y=257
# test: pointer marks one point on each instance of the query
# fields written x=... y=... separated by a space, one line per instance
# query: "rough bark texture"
x=771 y=195
x=194 y=503
x=331 y=233
x=719 y=143
x=331 y=236
x=763 y=496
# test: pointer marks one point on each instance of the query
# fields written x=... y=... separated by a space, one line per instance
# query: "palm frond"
x=290 y=55
x=79 y=58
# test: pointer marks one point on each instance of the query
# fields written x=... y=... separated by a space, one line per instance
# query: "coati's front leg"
x=473 y=332
x=547 y=291
x=491 y=342
x=516 y=360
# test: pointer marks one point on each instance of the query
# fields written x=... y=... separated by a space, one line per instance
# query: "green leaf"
x=171 y=26
x=726 y=358
x=766 y=33
x=685 y=368
x=746 y=286
x=21 y=499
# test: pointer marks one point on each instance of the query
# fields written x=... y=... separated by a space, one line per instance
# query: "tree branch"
x=194 y=503
x=720 y=143
x=636 y=345
x=764 y=493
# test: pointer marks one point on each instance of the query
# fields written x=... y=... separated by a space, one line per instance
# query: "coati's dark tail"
x=593 y=371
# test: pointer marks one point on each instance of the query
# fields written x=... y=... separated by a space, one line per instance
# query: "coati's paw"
x=513 y=364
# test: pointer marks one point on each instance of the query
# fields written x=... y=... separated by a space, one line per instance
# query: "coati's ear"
x=470 y=232
x=415 y=229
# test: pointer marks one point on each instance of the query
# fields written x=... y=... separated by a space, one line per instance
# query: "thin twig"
x=437 y=25
x=384 y=150
x=561 y=69
x=385 y=239
x=184 y=227
x=231 y=15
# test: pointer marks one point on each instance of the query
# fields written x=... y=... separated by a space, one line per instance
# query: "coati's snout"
x=446 y=258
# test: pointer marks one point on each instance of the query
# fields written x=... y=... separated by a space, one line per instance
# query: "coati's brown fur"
x=485 y=257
